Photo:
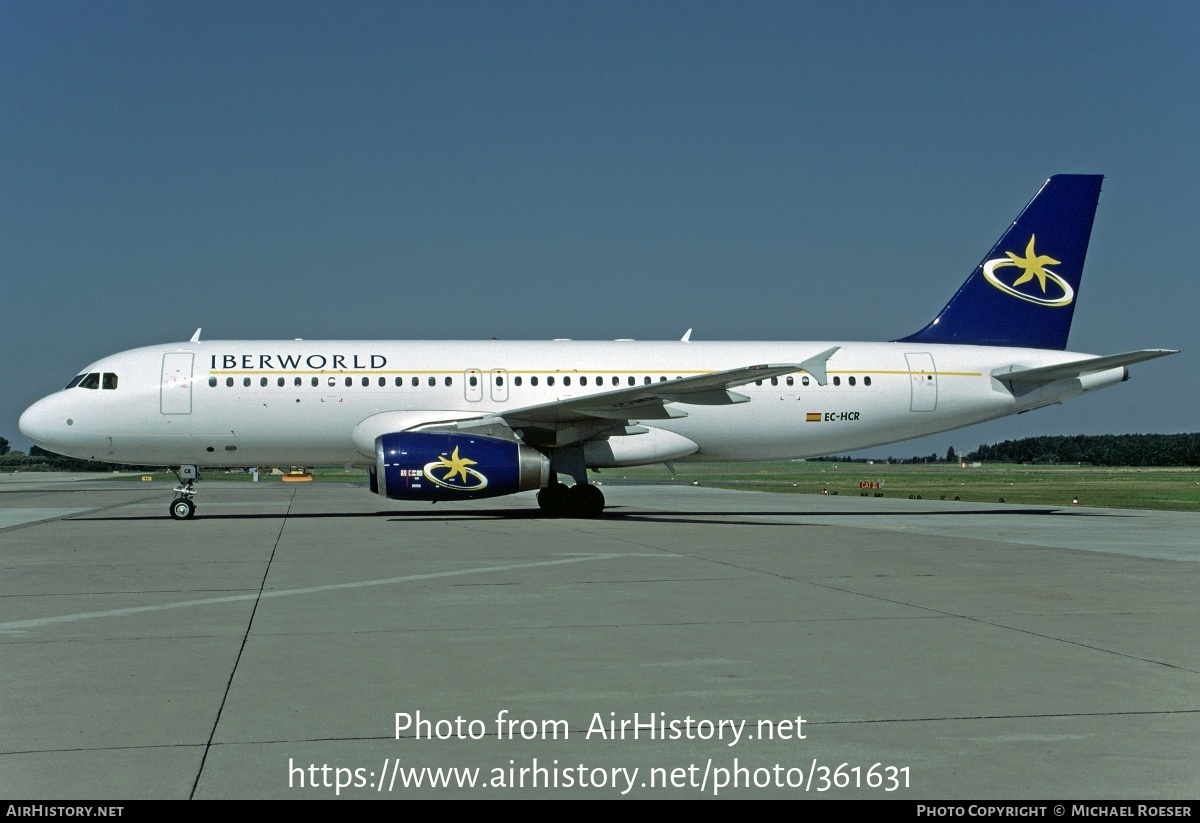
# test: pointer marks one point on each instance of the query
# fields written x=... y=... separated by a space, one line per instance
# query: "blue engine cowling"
x=437 y=466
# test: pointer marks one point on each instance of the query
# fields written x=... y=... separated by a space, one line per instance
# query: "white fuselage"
x=253 y=403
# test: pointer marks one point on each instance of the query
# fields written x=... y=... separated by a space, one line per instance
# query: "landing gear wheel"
x=182 y=508
x=585 y=500
x=553 y=499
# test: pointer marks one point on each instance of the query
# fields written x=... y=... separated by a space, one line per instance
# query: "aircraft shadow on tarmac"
x=615 y=514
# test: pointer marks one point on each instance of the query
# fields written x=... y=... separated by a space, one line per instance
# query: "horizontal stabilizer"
x=1076 y=368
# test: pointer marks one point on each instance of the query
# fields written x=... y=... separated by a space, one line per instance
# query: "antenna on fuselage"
x=687 y=336
x=195 y=337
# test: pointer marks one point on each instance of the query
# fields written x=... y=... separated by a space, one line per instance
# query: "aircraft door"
x=922 y=376
x=499 y=382
x=473 y=384
x=175 y=394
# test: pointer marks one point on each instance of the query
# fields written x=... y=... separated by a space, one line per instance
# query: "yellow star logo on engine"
x=455 y=465
x=1033 y=265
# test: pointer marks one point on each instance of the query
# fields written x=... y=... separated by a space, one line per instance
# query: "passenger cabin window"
x=837 y=381
x=450 y=381
x=804 y=380
x=212 y=382
x=262 y=381
x=432 y=381
x=866 y=381
x=790 y=380
x=567 y=380
x=416 y=382
x=533 y=381
x=517 y=380
x=550 y=380
x=229 y=382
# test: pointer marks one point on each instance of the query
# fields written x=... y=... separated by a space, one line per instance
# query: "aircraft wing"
x=1076 y=368
x=575 y=419
x=648 y=402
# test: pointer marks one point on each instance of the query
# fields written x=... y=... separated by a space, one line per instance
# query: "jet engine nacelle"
x=436 y=466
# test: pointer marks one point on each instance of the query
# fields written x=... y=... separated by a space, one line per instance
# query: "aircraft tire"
x=182 y=508
x=554 y=500
x=586 y=501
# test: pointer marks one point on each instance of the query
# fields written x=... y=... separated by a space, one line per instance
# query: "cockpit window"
x=78 y=379
x=110 y=380
x=91 y=381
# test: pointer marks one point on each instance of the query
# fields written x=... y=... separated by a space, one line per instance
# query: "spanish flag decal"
x=812 y=417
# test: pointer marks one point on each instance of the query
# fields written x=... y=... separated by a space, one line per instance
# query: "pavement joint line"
x=862 y=721
x=40 y=622
x=241 y=650
x=942 y=612
x=77 y=512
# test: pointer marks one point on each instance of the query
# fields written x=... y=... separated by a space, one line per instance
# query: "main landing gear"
x=182 y=507
x=582 y=500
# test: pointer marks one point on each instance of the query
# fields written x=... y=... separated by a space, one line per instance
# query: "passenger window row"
x=414 y=381
x=330 y=382
x=837 y=381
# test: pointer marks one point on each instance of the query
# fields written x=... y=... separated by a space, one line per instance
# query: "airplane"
x=443 y=420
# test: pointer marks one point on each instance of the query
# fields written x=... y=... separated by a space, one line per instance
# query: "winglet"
x=815 y=365
x=195 y=337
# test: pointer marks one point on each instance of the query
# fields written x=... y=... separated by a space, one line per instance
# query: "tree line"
x=1097 y=449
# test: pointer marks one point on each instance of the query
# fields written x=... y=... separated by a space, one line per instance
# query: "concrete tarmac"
x=719 y=643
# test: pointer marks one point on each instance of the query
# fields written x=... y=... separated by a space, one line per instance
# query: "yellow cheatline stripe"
x=904 y=372
x=581 y=372
x=481 y=372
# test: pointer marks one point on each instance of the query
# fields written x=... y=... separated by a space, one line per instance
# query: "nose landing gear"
x=182 y=507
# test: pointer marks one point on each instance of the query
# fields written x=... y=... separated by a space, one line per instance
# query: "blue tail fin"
x=1024 y=291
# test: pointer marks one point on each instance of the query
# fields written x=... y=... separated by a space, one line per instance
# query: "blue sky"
x=773 y=171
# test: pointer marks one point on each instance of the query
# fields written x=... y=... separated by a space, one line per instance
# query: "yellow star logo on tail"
x=1033 y=264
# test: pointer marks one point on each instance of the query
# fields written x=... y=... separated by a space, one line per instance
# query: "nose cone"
x=39 y=424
